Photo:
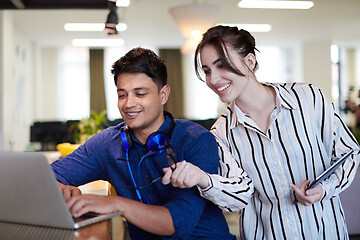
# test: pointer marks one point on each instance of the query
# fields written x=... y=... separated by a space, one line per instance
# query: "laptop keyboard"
x=85 y=217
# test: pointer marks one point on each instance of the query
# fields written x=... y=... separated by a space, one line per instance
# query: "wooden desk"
x=112 y=229
x=100 y=231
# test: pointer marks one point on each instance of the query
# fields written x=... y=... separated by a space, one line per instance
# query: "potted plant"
x=86 y=128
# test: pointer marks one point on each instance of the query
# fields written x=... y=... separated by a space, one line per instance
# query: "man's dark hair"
x=141 y=60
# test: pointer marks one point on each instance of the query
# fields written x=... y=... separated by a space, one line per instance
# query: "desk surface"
x=110 y=229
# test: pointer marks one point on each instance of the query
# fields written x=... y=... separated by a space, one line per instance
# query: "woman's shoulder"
x=297 y=86
x=224 y=119
x=299 y=89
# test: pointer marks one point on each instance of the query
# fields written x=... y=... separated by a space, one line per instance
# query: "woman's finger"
x=166 y=178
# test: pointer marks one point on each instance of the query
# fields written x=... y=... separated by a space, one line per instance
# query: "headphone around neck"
x=156 y=141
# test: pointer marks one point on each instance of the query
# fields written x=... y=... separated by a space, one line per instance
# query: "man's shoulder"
x=115 y=129
x=190 y=127
x=189 y=131
x=196 y=144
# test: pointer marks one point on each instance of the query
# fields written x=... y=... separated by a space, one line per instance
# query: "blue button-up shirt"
x=104 y=158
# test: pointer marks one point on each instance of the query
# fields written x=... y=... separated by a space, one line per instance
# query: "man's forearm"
x=150 y=218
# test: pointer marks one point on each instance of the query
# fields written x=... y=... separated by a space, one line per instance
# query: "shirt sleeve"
x=340 y=140
x=231 y=189
x=186 y=206
x=84 y=164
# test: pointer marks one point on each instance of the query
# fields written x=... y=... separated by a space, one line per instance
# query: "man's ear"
x=250 y=61
x=164 y=94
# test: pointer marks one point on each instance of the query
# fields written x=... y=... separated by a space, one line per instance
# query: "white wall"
x=49 y=81
x=2 y=56
x=7 y=48
x=17 y=87
x=37 y=98
x=28 y=85
x=317 y=65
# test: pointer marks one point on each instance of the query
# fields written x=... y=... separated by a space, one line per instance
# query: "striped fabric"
x=305 y=137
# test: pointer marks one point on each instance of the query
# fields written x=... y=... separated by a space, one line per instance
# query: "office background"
x=44 y=78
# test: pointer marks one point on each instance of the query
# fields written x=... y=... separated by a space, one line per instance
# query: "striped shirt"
x=305 y=136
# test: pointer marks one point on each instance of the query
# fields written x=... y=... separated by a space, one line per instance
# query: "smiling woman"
x=265 y=140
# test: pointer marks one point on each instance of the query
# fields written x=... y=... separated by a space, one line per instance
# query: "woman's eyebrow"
x=216 y=61
x=213 y=63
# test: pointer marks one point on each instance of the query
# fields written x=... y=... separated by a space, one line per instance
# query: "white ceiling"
x=150 y=24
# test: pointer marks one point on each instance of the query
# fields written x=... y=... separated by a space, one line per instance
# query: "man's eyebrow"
x=135 y=89
x=141 y=88
x=213 y=63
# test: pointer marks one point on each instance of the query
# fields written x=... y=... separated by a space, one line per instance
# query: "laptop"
x=29 y=194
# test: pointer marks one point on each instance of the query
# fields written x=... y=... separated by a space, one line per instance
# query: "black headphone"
x=156 y=141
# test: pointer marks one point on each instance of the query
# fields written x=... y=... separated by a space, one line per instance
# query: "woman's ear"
x=164 y=94
x=250 y=61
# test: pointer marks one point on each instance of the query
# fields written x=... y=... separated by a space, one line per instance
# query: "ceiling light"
x=121 y=27
x=122 y=3
x=107 y=42
x=250 y=27
x=78 y=27
x=276 y=4
x=91 y=27
x=193 y=20
x=195 y=33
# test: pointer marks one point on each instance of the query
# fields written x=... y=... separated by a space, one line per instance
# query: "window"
x=74 y=85
x=111 y=54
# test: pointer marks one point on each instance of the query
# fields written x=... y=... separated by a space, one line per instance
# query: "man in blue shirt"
x=133 y=154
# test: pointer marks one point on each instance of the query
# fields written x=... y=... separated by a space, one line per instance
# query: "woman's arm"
x=339 y=140
x=231 y=190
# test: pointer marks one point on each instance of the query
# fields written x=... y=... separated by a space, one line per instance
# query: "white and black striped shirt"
x=305 y=136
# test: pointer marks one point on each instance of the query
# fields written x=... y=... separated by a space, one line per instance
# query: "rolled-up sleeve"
x=186 y=205
x=342 y=141
x=186 y=209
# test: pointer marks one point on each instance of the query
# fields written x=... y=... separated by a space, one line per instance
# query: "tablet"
x=330 y=170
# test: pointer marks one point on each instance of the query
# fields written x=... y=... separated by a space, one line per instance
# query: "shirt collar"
x=166 y=124
x=283 y=99
x=236 y=115
x=283 y=96
x=163 y=128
